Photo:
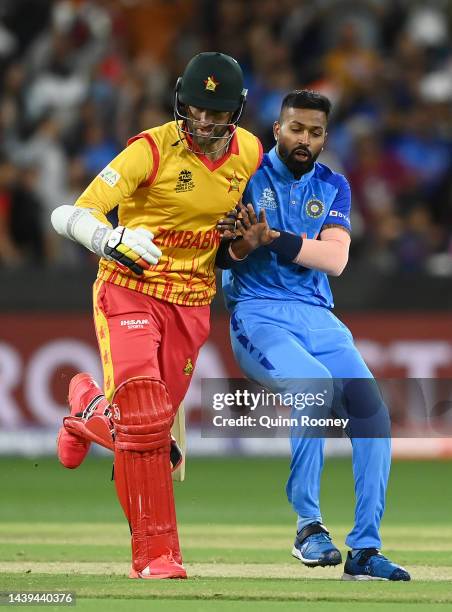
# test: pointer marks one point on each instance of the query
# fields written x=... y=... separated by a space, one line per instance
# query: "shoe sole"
x=317 y=562
x=134 y=575
x=362 y=577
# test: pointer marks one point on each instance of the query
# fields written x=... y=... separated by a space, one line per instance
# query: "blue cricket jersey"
x=299 y=206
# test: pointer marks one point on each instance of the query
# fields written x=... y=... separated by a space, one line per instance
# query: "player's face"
x=300 y=134
x=207 y=125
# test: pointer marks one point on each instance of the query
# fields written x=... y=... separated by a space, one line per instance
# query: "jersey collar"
x=284 y=171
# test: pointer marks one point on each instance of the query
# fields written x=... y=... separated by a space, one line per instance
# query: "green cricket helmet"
x=212 y=81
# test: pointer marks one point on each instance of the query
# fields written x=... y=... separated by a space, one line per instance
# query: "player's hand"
x=227 y=226
x=255 y=232
x=132 y=248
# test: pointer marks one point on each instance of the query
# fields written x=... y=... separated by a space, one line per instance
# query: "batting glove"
x=132 y=248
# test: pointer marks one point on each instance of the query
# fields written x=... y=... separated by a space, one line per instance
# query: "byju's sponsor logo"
x=338 y=213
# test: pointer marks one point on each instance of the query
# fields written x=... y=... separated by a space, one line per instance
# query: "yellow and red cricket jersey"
x=179 y=196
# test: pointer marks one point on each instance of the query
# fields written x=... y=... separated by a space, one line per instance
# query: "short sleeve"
x=339 y=213
x=120 y=179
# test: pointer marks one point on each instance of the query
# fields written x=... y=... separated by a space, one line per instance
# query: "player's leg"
x=333 y=346
x=143 y=416
x=128 y=326
x=89 y=419
x=150 y=340
x=185 y=330
x=370 y=437
x=270 y=355
x=134 y=328
x=90 y=414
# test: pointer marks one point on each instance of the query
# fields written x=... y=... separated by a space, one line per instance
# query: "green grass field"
x=63 y=530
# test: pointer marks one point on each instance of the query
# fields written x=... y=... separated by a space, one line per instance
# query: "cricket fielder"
x=282 y=328
x=153 y=290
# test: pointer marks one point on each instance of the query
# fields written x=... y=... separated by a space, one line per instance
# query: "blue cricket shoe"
x=369 y=564
x=313 y=547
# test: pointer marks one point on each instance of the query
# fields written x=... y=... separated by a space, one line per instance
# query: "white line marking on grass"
x=211 y=570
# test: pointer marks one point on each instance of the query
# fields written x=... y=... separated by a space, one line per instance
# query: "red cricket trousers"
x=139 y=335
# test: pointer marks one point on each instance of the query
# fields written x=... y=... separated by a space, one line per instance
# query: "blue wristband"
x=287 y=246
x=223 y=259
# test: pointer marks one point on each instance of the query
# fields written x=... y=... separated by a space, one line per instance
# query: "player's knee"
x=363 y=397
x=143 y=414
x=137 y=368
x=366 y=409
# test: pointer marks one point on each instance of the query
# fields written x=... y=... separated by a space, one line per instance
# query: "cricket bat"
x=178 y=432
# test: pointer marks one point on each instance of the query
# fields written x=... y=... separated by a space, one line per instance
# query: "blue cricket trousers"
x=279 y=342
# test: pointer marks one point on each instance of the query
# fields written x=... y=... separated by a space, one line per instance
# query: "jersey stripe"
x=103 y=339
x=155 y=156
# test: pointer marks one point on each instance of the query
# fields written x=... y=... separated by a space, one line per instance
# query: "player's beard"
x=209 y=142
x=296 y=166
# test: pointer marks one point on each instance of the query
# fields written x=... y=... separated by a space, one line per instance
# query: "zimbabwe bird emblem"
x=188 y=367
x=234 y=182
x=210 y=83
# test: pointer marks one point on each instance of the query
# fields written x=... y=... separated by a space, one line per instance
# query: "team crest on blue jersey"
x=268 y=199
x=314 y=208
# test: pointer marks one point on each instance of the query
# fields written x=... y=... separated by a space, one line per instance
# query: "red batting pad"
x=143 y=417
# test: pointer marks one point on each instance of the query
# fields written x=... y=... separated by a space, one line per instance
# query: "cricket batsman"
x=295 y=232
x=152 y=294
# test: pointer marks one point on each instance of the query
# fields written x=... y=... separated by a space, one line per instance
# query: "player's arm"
x=329 y=254
x=87 y=224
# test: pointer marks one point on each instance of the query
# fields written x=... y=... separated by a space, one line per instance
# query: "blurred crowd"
x=79 y=77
